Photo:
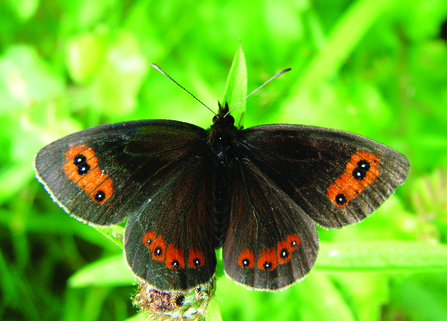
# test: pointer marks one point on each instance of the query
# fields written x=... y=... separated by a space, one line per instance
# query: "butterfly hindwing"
x=171 y=243
x=151 y=171
x=271 y=243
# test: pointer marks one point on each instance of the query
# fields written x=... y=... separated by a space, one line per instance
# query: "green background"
x=374 y=67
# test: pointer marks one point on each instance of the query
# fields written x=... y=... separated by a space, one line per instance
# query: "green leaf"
x=313 y=302
x=116 y=87
x=115 y=233
x=138 y=317
x=26 y=79
x=213 y=312
x=346 y=34
x=12 y=180
x=85 y=53
x=390 y=256
x=24 y=9
x=110 y=271
x=344 y=37
x=236 y=87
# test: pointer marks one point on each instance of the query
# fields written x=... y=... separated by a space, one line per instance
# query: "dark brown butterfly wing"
x=170 y=240
x=290 y=177
x=319 y=164
x=155 y=173
x=271 y=242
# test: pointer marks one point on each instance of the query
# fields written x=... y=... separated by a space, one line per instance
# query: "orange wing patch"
x=284 y=254
x=158 y=253
x=246 y=259
x=269 y=258
x=174 y=258
x=82 y=168
x=360 y=172
x=196 y=259
x=149 y=240
x=293 y=242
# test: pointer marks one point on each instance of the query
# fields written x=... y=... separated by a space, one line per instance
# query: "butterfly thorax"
x=222 y=135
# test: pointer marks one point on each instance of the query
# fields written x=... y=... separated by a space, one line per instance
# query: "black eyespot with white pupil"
x=267 y=265
x=362 y=168
x=341 y=199
x=100 y=196
x=80 y=160
x=81 y=163
x=158 y=251
x=284 y=253
x=196 y=262
x=175 y=264
x=245 y=262
x=363 y=164
x=83 y=169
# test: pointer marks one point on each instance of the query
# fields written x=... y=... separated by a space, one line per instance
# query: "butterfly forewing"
x=337 y=178
x=111 y=162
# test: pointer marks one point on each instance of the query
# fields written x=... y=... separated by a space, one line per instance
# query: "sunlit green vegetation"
x=373 y=67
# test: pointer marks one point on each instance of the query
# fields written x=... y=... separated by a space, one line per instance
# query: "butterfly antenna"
x=161 y=70
x=275 y=76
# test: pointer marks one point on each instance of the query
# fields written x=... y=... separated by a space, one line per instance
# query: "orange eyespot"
x=149 y=240
x=196 y=259
x=246 y=259
x=360 y=172
x=82 y=168
x=293 y=242
x=159 y=249
x=267 y=260
x=175 y=259
x=284 y=252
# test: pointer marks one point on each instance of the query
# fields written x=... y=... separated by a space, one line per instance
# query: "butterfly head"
x=223 y=120
x=222 y=132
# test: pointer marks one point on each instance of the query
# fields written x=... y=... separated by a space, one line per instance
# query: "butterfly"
x=258 y=193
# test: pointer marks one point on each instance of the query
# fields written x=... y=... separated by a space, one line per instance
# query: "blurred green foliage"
x=373 y=67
